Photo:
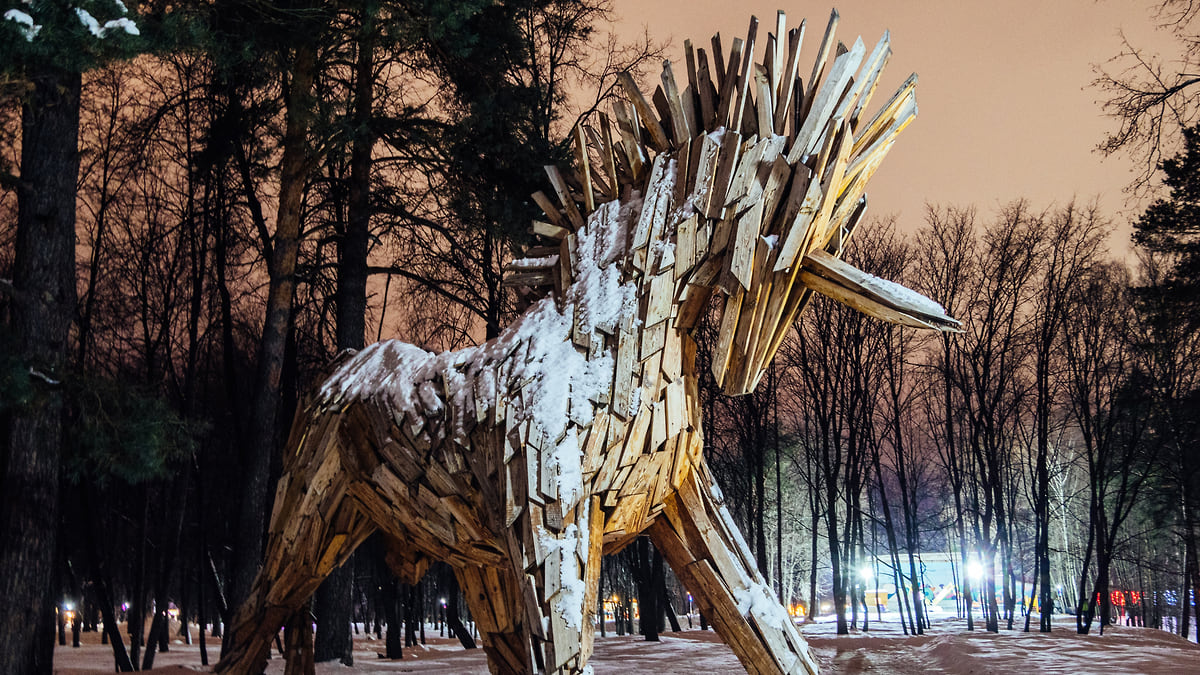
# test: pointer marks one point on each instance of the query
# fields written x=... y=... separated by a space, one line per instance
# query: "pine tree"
x=48 y=46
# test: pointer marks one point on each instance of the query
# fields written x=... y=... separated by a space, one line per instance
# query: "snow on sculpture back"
x=522 y=460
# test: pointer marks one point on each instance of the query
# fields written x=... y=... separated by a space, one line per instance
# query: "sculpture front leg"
x=702 y=544
x=565 y=577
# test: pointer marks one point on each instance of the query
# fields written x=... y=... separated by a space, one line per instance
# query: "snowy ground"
x=947 y=648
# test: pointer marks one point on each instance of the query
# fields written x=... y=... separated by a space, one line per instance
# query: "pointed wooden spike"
x=601 y=178
x=819 y=65
x=746 y=75
x=777 y=62
x=718 y=61
x=787 y=84
x=869 y=79
x=585 y=175
x=679 y=119
x=658 y=137
x=610 y=165
x=705 y=88
x=886 y=115
x=729 y=321
x=630 y=139
x=729 y=86
x=689 y=54
x=840 y=75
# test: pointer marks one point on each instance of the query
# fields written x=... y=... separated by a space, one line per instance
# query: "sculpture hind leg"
x=315 y=526
x=494 y=594
x=701 y=542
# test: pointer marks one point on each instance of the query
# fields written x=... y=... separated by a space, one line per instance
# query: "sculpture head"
x=751 y=184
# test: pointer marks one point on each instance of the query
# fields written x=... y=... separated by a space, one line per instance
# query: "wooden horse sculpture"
x=520 y=461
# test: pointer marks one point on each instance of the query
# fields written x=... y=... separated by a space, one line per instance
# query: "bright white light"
x=866 y=573
x=68 y=606
x=124 y=606
x=1060 y=588
x=975 y=570
x=443 y=601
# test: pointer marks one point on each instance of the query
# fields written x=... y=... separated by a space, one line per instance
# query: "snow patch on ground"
x=945 y=648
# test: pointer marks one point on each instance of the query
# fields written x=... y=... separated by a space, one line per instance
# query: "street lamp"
x=975 y=570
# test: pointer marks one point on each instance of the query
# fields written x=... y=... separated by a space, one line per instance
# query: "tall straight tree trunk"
x=43 y=303
x=333 y=602
x=334 y=599
x=285 y=248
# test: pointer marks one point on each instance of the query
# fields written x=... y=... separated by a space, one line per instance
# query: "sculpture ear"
x=871 y=295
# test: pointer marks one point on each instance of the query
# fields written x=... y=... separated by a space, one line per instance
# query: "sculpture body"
x=522 y=460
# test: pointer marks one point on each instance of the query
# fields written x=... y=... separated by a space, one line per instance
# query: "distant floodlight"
x=866 y=573
x=68 y=606
x=975 y=570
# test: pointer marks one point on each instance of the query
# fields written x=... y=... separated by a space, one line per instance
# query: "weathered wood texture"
x=577 y=429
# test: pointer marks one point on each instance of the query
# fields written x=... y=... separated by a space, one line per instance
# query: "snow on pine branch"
x=29 y=27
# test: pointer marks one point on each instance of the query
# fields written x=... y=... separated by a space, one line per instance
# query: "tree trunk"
x=393 y=645
x=331 y=606
x=285 y=249
x=42 y=306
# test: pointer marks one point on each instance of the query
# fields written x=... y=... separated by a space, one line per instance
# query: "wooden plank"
x=764 y=101
x=866 y=80
x=685 y=246
x=718 y=67
x=661 y=294
x=564 y=196
x=550 y=209
x=655 y=206
x=729 y=88
x=762 y=288
x=856 y=281
x=873 y=155
x=818 y=66
x=706 y=170
x=833 y=181
x=682 y=164
x=799 y=230
x=729 y=319
x=549 y=230
x=635 y=441
x=663 y=110
x=708 y=106
x=840 y=75
x=676 y=407
x=658 y=137
x=606 y=153
x=658 y=427
x=728 y=157
x=777 y=54
x=582 y=163
x=741 y=259
x=679 y=119
x=784 y=94
x=887 y=114
x=693 y=307
x=772 y=194
x=745 y=75
x=631 y=142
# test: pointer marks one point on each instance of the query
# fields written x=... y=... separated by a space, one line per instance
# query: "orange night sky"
x=1006 y=106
